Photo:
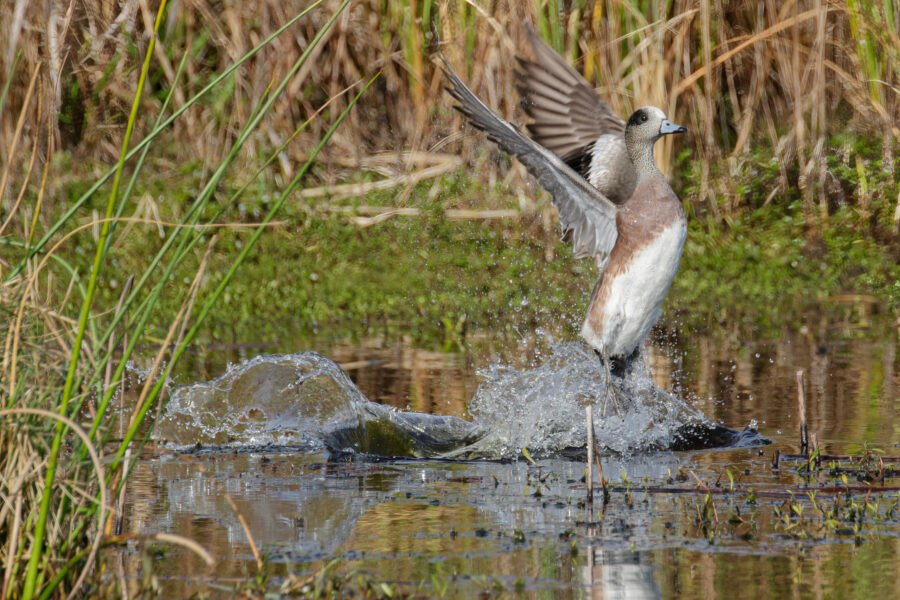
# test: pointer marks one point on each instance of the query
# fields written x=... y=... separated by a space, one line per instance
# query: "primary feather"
x=586 y=215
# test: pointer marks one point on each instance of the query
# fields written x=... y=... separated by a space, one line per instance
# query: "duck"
x=615 y=205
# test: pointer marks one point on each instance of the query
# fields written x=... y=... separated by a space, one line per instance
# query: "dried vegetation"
x=791 y=76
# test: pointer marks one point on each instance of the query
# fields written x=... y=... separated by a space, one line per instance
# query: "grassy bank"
x=327 y=272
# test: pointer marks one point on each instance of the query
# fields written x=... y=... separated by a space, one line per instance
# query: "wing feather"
x=570 y=119
x=552 y=91
x=584 y=212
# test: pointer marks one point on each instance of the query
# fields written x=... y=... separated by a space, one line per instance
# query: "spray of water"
x=306 y=401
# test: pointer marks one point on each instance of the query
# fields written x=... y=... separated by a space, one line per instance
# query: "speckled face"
x=650 y=123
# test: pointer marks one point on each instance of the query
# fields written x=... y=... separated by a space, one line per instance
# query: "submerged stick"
x=246 y=528
x=839 y=458
x=589 y=477
x=801 y=408
x=786 y=492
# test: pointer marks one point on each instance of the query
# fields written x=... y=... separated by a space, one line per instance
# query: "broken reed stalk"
x=247 y=533
x=604 y=483
x=801 y=409
x=451 y=214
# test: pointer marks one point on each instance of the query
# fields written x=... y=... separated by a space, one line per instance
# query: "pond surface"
x=713 y=524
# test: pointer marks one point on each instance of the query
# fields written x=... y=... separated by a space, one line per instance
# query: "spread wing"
x=585 y=214
x=567 y=114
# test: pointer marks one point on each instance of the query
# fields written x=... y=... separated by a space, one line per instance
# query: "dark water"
x=676 y=524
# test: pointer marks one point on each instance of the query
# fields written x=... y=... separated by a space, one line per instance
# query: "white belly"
x=635 y=295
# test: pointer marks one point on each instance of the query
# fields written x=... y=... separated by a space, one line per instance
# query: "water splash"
x=304 y=401
x=542 y=408
x=307 y=401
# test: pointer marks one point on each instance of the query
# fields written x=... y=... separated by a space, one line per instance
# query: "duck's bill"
x=668 y=127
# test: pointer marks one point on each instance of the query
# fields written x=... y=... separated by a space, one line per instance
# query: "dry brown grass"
x=785 y=74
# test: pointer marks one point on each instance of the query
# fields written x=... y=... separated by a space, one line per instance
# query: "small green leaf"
x=527 y=456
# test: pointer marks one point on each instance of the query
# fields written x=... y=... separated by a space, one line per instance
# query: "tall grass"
x=783 y=75
x=56 y=509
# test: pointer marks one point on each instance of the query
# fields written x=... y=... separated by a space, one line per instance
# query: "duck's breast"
x=626 y=301
x=636 y=293
x=611 y=171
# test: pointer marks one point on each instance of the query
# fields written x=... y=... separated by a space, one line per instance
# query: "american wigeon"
x=614 y=203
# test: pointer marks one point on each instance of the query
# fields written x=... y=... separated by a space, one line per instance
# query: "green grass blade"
x=245 y=251
x=214 y=181
x=31 y=574
x=146 y=309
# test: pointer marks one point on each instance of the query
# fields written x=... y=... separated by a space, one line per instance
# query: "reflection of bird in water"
x=614 y=203
x=617 y=575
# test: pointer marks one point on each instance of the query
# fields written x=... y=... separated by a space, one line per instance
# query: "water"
x=463 y=527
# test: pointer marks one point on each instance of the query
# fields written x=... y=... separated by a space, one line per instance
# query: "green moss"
x=766 y=269
x=435 y=280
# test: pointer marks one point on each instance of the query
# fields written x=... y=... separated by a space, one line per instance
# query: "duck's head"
x=648 y=124
x=644 y=127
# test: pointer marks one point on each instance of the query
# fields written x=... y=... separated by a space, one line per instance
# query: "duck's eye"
x=643 y=118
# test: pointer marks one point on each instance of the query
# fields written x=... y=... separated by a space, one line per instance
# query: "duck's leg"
x=610 y=392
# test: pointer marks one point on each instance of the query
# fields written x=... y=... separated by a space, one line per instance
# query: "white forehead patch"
x=654 y=111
